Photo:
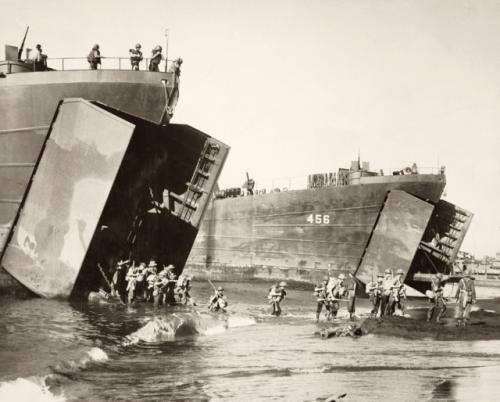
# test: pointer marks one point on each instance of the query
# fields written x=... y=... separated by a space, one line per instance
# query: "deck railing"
x=107 y=63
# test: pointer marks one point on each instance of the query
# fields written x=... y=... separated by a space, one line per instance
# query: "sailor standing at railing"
x=94 y=57
x=156 y=58
x=135 y=57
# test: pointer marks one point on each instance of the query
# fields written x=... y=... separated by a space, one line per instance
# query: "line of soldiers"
x=94 y=59
x=145 y=283
x=333 y=290
x=387 y=293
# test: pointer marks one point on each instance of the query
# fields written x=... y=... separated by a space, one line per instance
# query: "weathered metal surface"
x=64 y=202
x=28 y=103
x=298 y=235
x=396 y=236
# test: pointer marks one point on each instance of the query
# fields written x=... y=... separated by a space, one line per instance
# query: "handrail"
x=81 y=63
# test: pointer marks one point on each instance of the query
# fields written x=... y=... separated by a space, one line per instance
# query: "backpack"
x=90 y=57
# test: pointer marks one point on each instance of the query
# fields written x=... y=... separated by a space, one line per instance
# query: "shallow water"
x=54 y=350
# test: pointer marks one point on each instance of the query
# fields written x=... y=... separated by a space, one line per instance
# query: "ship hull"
x=298 y=235
x=157 y=158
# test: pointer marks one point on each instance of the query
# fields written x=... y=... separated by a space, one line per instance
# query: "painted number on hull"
x=318 y=219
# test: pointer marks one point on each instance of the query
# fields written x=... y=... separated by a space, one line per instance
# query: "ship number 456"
x=318 y=218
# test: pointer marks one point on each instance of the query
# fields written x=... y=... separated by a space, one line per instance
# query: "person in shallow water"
x=386 y=291
x=374 y=290
x=322 y=298
x=276 y=295
x=218 y=302
x=437 y=301
x=466 y=297
x=398 y=293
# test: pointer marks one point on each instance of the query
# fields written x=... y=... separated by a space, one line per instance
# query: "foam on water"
x=168 y=328
x=31 y=389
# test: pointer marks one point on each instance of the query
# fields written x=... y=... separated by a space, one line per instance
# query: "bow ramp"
x=414 y=235
x=108 y=185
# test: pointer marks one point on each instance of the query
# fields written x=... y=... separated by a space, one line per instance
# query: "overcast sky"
x=297 y=87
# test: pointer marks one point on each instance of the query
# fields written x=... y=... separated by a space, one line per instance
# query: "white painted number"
x=318 y=219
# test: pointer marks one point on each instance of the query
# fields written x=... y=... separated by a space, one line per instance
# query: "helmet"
x=439 y=275
x=179 y=60
x=341 y=276
x=152 y=263
x=326 y=279
x=220 y=289
x=400 y=272
x=138 y=46
x=95 y=47
x=157 y=47
x=282 y=284
x=387 y=271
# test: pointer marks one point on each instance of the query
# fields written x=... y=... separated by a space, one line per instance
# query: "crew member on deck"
x=40 y=61
x=466 y=297
x=176 y=67
x=156 y=58
x=135 y=57
x=94 y=57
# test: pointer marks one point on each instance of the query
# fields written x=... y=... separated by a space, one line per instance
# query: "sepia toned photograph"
x=236 y=200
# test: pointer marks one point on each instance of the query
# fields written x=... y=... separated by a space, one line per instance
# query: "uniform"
x=374 y=290
x=350 y=286
x=466 y=297
x=218 y=302
x=276 y=295
x=438 y=302
x=156 y=58
x=386 y=292
x=398 y=292
x=94 y=57
x=322 y=298
x=135 y=57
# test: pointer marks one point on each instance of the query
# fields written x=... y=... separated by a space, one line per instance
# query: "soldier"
x=438 y=301
x=156 y=58
x=322 y=298
x=336 y=293
x=218 y=302
x=466 y=297
x=135 y=57
x=398 y=292
x=131 y=279
x=176 y=68
x=350 y=285
x=94 y=57
x=40 y=61
x=118 y=282
x=374 y=290
x=386 y=291
x=151 y=279
x=182 y=290
x=276 y=296
x=168 y=289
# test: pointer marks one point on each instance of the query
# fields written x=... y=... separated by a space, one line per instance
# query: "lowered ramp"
x=68 y=190
x=396 y=237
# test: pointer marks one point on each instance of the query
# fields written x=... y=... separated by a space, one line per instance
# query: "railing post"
x=119 y=63
x=62 y=64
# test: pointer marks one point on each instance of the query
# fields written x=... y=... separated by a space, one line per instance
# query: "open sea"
x=97 y=351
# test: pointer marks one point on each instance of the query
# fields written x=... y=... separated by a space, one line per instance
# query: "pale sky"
x=297 y=87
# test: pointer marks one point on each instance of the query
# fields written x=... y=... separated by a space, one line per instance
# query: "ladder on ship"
x=445 y=247
x=195 y=187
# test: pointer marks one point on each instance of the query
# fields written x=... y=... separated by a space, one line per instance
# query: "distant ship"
x=92 y=171
x=353 y=221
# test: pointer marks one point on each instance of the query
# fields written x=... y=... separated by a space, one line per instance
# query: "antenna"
x=166 y=49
